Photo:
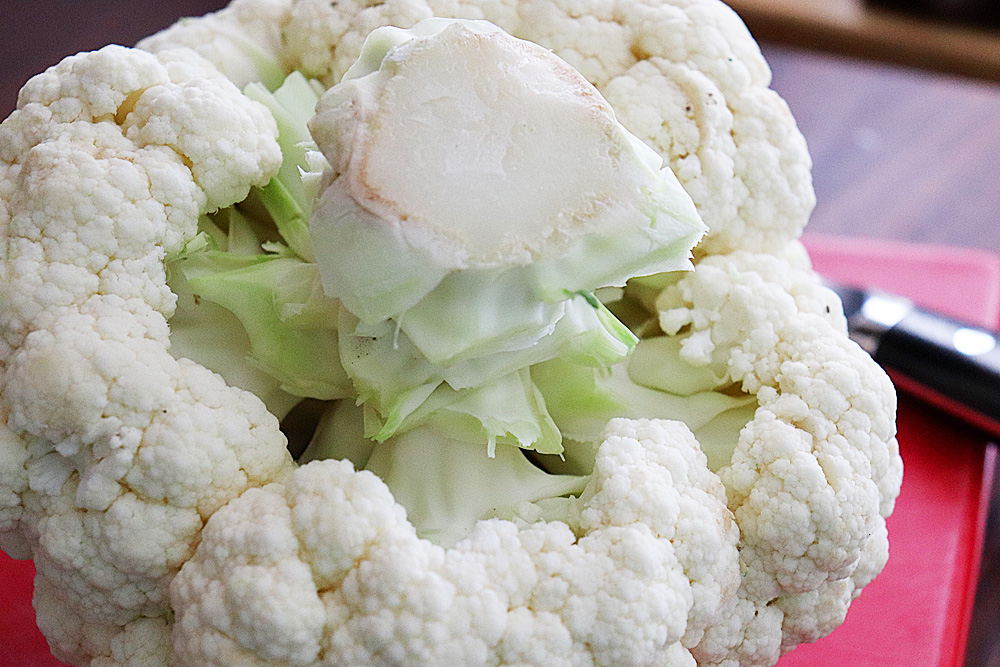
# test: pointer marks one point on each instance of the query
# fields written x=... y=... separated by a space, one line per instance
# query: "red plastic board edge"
x=917 y=612
x=21 y=643
x=962 y=282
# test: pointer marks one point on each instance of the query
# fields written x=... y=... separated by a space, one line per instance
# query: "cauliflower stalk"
x=348 y=334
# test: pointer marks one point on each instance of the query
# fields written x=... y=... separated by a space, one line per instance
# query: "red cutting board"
x=916 y=613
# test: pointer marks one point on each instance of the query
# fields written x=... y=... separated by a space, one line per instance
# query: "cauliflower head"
x=275 y=391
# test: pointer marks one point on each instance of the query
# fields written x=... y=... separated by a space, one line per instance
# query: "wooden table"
x=899 y=153
x=862 y=29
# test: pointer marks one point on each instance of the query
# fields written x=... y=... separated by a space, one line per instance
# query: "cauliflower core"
x=708 y=485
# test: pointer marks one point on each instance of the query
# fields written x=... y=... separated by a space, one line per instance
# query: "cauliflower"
x=347 y=581
x=107 y=164
x=428 y=333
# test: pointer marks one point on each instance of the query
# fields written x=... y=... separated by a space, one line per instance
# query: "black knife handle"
x=953 y=364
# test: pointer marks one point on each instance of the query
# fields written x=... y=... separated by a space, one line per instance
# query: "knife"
x=951 y=364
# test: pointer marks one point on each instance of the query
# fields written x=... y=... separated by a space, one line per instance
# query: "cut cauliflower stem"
x=542 y=429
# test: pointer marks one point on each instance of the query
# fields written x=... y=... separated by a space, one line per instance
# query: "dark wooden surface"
x=35 y=34
x=898 y=153
x=935 y=40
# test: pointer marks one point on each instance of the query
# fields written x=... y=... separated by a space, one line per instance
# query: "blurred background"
x=952 y=36
x=899 y=101
x=975 y=12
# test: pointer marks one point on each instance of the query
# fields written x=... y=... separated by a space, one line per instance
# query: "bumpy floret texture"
x=816 y=471
x=124 y=450
x=244 y=40
x=325 y=569
x=166 y=519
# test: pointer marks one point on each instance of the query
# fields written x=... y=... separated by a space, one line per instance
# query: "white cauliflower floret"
x=166 y=518
x=651 y=569
x=143 y=642
x=244 y=40
x=815 y=473
x=13 y=482
x=109 y=161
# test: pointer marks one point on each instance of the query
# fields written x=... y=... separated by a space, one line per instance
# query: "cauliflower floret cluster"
x=811 y=503
x=697 y=465
x=685 y=77
x=347 y=581
x=126 y=451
